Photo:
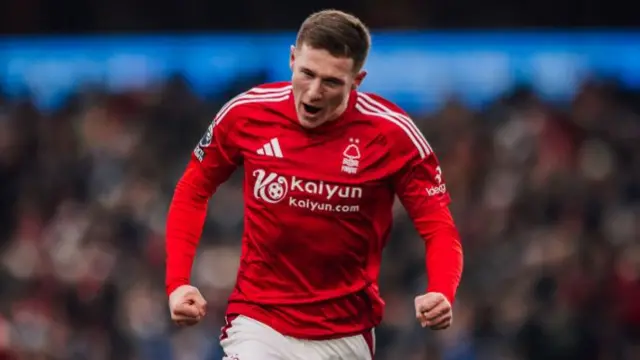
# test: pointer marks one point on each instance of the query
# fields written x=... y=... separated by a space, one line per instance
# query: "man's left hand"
x=433 y=310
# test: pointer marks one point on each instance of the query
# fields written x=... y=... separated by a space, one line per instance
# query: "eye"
x=307 y=73
x=333 y=83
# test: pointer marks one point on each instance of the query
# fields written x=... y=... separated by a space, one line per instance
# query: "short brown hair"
x=339 y=33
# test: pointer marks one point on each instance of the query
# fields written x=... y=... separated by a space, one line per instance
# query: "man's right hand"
x=187 y=306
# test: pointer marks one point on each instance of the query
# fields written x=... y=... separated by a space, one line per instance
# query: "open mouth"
x=311 y=109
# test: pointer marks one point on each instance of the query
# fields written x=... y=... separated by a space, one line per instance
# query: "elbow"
x=191 y=188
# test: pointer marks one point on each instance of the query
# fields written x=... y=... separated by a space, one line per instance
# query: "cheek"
x=336 y=99
x=297 y=93
x=299 y=86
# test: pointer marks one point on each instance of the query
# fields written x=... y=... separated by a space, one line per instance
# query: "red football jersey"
x=318 y=209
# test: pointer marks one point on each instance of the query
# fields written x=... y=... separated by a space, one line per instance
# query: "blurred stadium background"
x=538 y=132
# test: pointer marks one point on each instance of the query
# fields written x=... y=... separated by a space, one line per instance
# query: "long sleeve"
x=443 y=251
x=212 y=162
x=421 y=188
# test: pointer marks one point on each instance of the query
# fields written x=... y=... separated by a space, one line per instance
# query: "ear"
x=292 y=57
x=358 y=79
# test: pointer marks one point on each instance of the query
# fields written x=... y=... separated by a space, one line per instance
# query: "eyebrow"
x=326 y=78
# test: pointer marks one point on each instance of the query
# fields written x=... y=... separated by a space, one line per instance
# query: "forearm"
x=185 y=222
x=444 y=256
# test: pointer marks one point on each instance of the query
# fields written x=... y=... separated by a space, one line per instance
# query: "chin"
x=311 y=123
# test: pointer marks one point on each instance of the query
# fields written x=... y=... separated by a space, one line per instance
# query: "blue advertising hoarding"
x=415 y=69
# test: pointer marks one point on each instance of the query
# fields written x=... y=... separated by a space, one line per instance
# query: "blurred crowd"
x=89 y=16
x=546 y=197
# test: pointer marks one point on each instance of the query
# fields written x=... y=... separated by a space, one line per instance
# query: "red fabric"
x=184 y=227
x=317 y=210
x=371 y=342
x=443 y=252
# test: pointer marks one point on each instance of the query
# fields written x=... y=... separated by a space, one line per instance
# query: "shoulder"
x=261 y=96
x=394 y=123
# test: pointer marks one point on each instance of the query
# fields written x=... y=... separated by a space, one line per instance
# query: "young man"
x=323 y=163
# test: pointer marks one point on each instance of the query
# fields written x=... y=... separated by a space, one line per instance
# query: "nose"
x=315 y=90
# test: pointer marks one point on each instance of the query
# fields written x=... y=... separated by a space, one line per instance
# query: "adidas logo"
x=272 y=148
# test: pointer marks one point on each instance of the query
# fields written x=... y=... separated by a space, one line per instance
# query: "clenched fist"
x=187 y=306
x=433 y=310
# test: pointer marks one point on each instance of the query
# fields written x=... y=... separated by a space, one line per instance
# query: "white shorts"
x=247 y=339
